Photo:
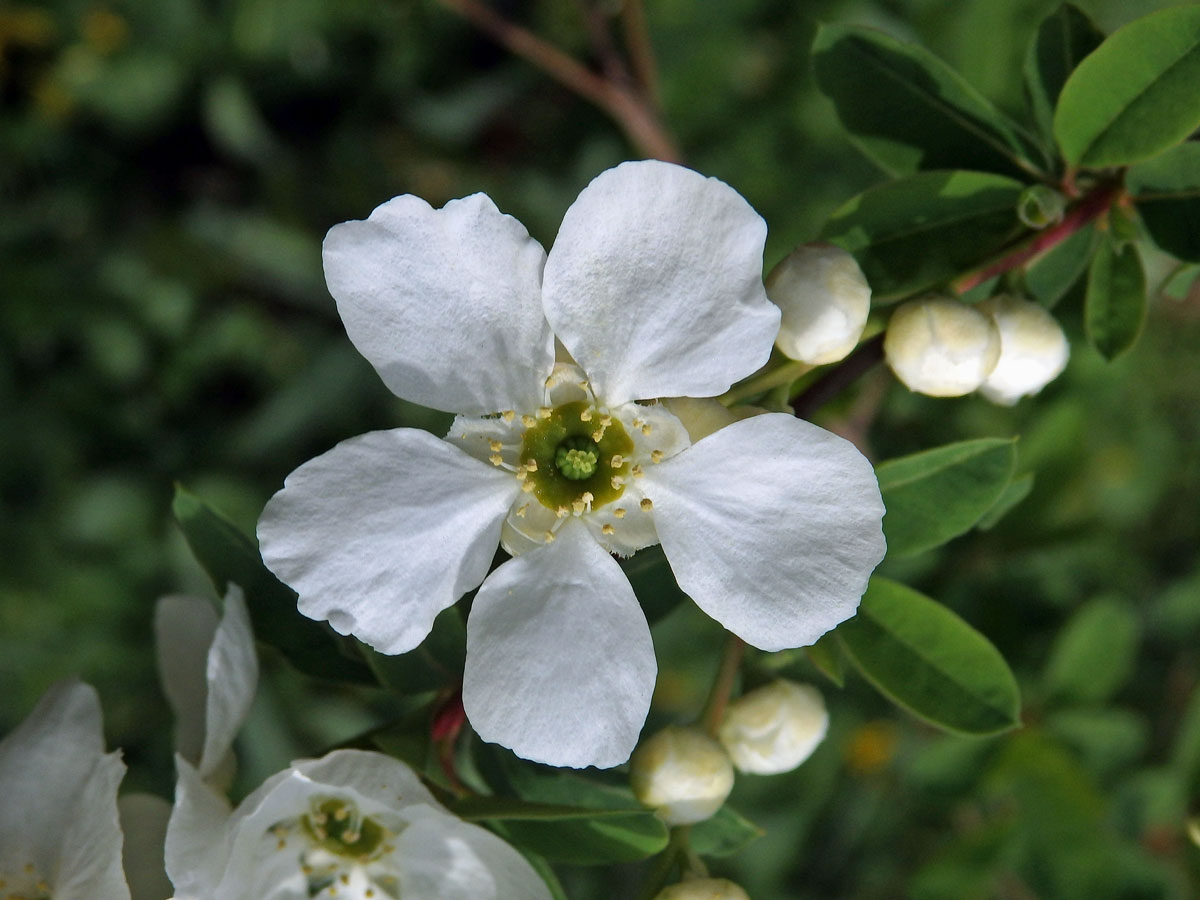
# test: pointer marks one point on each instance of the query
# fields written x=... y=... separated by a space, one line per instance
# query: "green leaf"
x=1050 y=276
x=476 y=809
x=1136 y=95
x=438 y=660
x=228 y=555
x=1095 y=652
x=1115 y=307
x=826 y=654
x=908 y=110
x=938 y=494
x=1018 y=489
x=1063 y=38
x=1167 y=191
x=724 y=834
x=920 y=231
x=929 y=661
x=653 y=582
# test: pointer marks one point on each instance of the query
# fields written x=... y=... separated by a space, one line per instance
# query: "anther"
x=619 y=512
x=531 y=465
x=522 y=510
x=350 y=837
x=528 y=487
x=585 y=416
x=637 y=471
x=606 y=421
x=579 y=506
x=617 y=482
x=647 y=504
x=528 y=421
x=562 y=512
x=656 y=456
x=598 y=435
x=587 y=497
x=496 y=459
x=508 y=415
x=282 y=845
x=608 y=529
x=495 y=446
x=646 y=429
x=345 y=879
x=617 y=461
x=544 y=412
x=522 y=474
x=549 y=537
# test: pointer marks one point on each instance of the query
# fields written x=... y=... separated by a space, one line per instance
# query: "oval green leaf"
x=938 y=494
x=1050 y=276
x=1167 y=191
x=1115 y=307
x=909 y=111
x=1062 y=40
x=1095 y=652
x=228 y=555
x=917 y=232
x=723 y=834
x=927 y=660
x=1135 y=95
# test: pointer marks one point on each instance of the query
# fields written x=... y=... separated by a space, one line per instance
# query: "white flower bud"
x=1033 y=349
x=825 y=300
x=682 y=773
x=774 y=728
x=941 y=347
x=703 y=889
x=702 y=416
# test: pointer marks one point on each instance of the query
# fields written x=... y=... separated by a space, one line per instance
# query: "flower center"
x=337 y=826
x=575 y=454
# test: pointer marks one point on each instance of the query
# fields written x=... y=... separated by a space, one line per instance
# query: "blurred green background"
x=167 y=172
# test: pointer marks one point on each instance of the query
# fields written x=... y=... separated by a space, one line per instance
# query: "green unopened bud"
x=682 y=773
x=703 y=889
x=774 y=728
x=941 y=347
x=1040 y=206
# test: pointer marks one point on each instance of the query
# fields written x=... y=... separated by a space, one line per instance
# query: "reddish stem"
x=1090 y=207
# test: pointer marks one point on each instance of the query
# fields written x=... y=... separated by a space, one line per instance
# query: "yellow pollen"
x=646 y=429
x=617 y=461
x=549 y=537
x=579 y=506
x=606 y=421
x=281 y=845
x=619 y=512
x=496 y=459
x=544 y=412
x=617 y=482
x=528 y=487
x=522 y=474
x=531 y=465
x=562 y=512
x=345 y=879
x=528 y=421
x=598 y=435
x=524 y=509
x=638 y=423
x=646 y=504
x=637 y=472
x=495 y=446
x=656 y=456
x=608 y=529
x=585 y=416
x=508 y=415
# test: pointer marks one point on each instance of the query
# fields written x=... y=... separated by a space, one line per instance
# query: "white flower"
x=703 y=889
x=654 y=289
x=59 y=834
x=352 y=825
x=774 y=728
x=825 y=300
x=682 y=773
x=941 y=347
x=1033 y=349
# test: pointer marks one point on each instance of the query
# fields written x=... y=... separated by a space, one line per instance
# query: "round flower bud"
x=702 y=889
x=825 y=300
x=941 y=347
x=682 y=773
x=1040 y=206
x=774 y=728
x=1033 y=349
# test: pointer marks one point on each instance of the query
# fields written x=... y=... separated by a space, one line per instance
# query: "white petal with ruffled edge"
x=451 y=860
x=385 y=531
x=445 y=304
x=772 y=526
x=90 y=867
x=183 y=632
x=654 y=284
x=560 y=665
x=196 y=834
x=231 y=674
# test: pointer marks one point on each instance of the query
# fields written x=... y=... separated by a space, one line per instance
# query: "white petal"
x=385 y=780
x=196 y=834
x=772 y=525
x=144 y=820
x=44 y=765
x=90 y=867
x=232 y=677
x=654 y=284
x=445 y=304
x=183 y=632
x=560 y=666
x=451 y=860
x=385 y=531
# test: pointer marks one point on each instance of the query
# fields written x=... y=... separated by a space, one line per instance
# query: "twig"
x=641 y=52
x=839 y=377
x=722 y=687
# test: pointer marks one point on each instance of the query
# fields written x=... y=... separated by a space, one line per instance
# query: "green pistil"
x=338 y=827
x=573 y=451
x=576 y=457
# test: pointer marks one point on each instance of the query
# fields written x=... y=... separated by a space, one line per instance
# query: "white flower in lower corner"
x=1033 y=349
x=774 y=728
x=941 y=347
x=59 y=833
x=682 y=773
x=353 y=825
x=654 y=289
x=825 y=300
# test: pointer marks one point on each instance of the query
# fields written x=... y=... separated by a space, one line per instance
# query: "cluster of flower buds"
x=1005 y=347
x=703 y=889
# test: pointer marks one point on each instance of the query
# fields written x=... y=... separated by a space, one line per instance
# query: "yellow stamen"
x=608 y=529
x=619 y=512
x=508 y=415
x=656 y=456
x=646 y=504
